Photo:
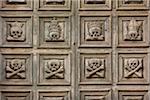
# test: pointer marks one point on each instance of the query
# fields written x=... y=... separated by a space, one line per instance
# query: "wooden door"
x=74 y=49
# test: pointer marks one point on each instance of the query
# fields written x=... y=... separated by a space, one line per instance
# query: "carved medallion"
x=15 y=32
x=54 y=31
x=95 y=31
x=94 y=1
x=95 y=68
x=54 y=69
x=133 y=68
x=15 y=69
x=133 y=30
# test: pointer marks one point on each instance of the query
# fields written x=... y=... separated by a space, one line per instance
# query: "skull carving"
x=94 y=63
x=16 y=64
x=134 y=30
x=95 y=31
x=15 y=32
x=54 y=31
x=54 y=65
x=133 y=63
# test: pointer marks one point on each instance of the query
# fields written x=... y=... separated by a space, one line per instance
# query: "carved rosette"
x=55 y=31
x=133 y=30
x=94 y=1
x=133 y=68
x=54 y=69
x=95 y=31
x=15 y=32
x=95 y=68
x=15 y=69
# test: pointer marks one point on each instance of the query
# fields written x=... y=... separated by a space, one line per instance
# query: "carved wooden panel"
x=95 y=31
x=54 y=4
x=133 y=68
x=16 y=31
x=94 y=4
x=54 y=32
x=132 y=94
x=132 y=4
x=17 y=68
x=133 y=31
x=16 y=5
x=95 y=68
x=95 y=94
x=54 y=69
x=74 y=49
x=54 y=95
x=16 y=95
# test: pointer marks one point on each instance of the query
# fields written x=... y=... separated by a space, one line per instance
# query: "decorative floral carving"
x=94 y=1
x=15 y=68
x=95 y=68
x=55 y=1
x=55 y=31
x=133 y=68
x=95 y=31
x=15 y=32
x=133 y=30
x=54 y=69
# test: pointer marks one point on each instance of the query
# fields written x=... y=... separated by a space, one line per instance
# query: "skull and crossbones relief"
x=15 y=68
x=54 y=69
x=95 y=68
x=133 y=68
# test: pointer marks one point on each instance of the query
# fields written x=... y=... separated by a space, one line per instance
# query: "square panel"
x=95 y=94
x=54 y=95
x=16 y=69
x=54 y=32
x=133 y=68
x=132 y=94
x=54 y=69
x=94 y=4
x=16 y=31
x=16 y=4
x=95 y=68
x=133 y=31
x=54 y=4
x=95 y=31
x=16 y=95
x=132 y=4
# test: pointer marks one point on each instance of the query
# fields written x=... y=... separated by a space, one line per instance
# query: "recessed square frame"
x=67 y=31
x=81 y=29
x=27 y=19
x=102 y=54
x=132 y=54
x=25 y=5
x=28 y=58
x=126 y=17
x=67 y=68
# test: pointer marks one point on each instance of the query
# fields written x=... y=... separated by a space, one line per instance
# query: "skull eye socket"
x=13 y=32
x=18 y=32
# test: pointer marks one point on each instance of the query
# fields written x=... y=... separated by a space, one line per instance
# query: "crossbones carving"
x=54 y=69
x=95 y=68
x=133 y=68
x=15 y=68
